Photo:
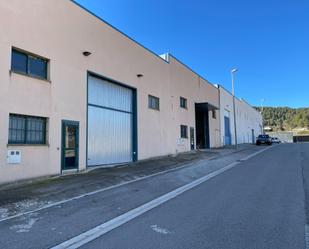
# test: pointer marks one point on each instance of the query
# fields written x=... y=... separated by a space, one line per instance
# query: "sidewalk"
x=30 y=196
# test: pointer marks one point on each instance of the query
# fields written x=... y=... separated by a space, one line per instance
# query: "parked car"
x=263 y=139
x=275 y=140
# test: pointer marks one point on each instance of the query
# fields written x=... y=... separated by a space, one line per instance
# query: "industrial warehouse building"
x=78 y=93
x=248 y=120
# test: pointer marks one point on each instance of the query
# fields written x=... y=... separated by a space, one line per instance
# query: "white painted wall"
x=247 y=118
x=226 y=107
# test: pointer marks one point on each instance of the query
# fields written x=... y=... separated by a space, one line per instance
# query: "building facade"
x=248 y=122
x=78 y=93
x=248 y=119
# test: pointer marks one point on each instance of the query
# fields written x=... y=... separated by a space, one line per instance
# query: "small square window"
x=214 y=114
x=183 y=131
x=153 y=102
x=183 y=103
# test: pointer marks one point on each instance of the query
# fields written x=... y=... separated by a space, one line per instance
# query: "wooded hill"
x=285 y=118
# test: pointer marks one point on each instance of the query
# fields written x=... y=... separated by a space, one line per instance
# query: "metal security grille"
x=153 y=102
x=27 y=130
x=110 y=123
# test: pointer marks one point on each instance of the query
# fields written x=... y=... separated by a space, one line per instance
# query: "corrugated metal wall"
x=110 y=122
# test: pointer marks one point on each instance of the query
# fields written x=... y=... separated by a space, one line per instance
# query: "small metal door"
x=227 y=131
x=70 y=143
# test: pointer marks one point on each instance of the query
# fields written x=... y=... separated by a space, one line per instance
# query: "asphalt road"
x=260 y=203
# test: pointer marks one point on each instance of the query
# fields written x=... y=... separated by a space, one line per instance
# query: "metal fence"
x=300 y=139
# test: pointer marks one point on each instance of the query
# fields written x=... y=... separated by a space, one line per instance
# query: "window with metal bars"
x=153 y=102
x=183 y=102
x=183 y=131
x=27 y=129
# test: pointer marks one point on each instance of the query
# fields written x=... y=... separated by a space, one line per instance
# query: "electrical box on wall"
x=14 y=157
x=180 y=141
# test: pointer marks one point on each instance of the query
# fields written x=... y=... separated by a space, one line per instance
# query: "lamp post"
x=233 y=71
x=262 y=109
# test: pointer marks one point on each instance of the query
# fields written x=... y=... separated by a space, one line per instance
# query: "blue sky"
x=267 y=40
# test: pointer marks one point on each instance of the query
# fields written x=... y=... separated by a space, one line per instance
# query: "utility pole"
x=262 y=109
x=233 y=71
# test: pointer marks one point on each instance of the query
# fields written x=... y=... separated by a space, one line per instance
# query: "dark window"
x=183 y=102
x=214 y=114
x=37 y=67
x=27 y=129
x=153 y=102
x=184 y=131
x=19 y=62
x=29 y=64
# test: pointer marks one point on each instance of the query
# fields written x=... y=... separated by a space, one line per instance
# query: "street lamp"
x=262 y=109
x=233 y=71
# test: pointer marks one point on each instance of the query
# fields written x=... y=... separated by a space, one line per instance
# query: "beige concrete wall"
x=60 y=31
x=187 y=84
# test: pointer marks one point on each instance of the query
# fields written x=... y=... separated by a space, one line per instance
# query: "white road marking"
x=254 y=154
x=307 y=236
x=59 y=203
x=110 y=225
x=160 y=230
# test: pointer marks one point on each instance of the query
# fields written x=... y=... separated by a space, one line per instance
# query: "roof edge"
x=116 y=29
x=239 y=99
x=190 y=69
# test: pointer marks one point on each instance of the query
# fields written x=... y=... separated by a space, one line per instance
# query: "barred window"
x=27 y=129
x=184 y=131
x=153 y=102
x=183 y=102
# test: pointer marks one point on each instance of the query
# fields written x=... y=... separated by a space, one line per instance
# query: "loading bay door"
x=110 y=123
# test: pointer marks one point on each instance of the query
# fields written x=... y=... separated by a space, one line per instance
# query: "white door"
x=110 y=122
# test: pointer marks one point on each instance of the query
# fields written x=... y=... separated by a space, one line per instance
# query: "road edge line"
x=118 y=221
x=102 y=190
x=105 y=227
x=109 y=188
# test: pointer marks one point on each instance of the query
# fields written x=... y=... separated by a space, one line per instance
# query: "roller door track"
x=111 y=123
